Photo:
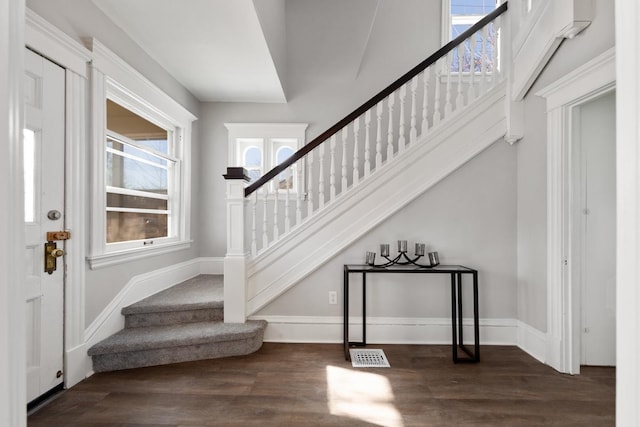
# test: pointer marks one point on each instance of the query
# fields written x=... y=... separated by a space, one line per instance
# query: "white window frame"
x=112 y=78
x=447 y=23
x=270 y=135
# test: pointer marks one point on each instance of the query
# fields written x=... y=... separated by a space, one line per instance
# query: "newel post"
x=235 y=262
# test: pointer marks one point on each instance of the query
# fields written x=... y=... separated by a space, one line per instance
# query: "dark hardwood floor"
x=312 y=385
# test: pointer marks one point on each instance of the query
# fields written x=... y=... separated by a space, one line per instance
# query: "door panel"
x=44 y=191
x=599 y=217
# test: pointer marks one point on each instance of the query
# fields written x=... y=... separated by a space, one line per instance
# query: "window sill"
x=113 y=258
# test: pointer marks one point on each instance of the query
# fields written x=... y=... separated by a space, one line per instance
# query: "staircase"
x=365 y=168
x=179 y=324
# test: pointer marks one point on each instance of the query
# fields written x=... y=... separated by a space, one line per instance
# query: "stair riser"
x=163 y=356
x=141 y=320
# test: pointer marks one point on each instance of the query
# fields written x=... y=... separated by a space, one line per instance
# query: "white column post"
x=235 y=262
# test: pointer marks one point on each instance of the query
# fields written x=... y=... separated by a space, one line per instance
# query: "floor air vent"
x=368 y=358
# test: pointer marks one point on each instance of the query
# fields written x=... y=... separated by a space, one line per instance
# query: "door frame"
x=42 y=37
x=564 y=97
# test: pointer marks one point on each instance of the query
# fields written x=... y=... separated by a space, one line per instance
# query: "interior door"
x=44 y=89
x=598 y=145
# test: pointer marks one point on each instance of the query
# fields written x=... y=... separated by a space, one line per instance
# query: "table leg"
x=345 y=314
x=476 y=316
x=459 y=295
x=454 y=335
x=364 y=309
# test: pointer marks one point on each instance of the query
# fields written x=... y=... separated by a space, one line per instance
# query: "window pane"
x=115 y=200
x=131 y=125
x=253 y=157
x=133 y=174
x=124 y=226
x=285 y=181
x=29 y=157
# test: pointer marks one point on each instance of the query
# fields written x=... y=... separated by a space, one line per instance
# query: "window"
x=141 y=162
x=140 y=165
x=259 y=147
x=459 y=16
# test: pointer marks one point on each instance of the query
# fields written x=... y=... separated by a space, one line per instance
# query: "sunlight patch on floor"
x=363 y=396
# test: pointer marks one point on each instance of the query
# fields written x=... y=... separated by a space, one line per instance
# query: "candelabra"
x=402 y=258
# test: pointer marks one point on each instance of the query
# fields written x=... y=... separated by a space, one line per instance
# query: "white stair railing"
x=367 y=139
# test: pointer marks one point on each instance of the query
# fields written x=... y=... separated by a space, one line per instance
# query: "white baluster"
x=447 y=70
x=254 y=243
x=300 y=192
x=495 y=51
x=332 y=173
x=425 y=101
x=287 y=221
x=265 y=236
x=413 y=132
x=321 y=178
x=472 y=69
x=345 y=135
x=367 y=125
x=483 y=60
x=276 y=229
x=436 y=104
x=356 y=158
x=379 y=136
x=402 y=142
x=460 y=96
x=310 y=184
x=390 y=103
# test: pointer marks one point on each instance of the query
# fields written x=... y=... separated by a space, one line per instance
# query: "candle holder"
x=402 y=258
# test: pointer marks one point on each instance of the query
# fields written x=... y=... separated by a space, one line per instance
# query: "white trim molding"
x=75 y=220
x=532 y=341
x=596 y=77
x=384 y=330
x=628 y=213
x=48 y=40
x=12 y=268
x=550 y=23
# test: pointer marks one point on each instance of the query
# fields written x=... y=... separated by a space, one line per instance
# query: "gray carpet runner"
x=179 y=324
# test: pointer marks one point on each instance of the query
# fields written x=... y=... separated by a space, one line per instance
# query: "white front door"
x=598 y=147
x=44 y=97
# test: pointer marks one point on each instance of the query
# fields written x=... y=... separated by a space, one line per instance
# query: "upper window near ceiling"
x=459 y=16
x=259 y=147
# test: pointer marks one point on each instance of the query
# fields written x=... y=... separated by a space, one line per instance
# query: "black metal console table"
x=455 y=271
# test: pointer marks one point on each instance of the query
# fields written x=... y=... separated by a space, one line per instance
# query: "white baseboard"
x=211 y=265
x=385 y=330
x=532 y=341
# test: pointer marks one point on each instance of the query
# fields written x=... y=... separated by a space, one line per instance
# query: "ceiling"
x=240 y=50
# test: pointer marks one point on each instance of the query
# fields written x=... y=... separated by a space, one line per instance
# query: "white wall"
x=531 y=158
x=82 y=20
x=469 y=218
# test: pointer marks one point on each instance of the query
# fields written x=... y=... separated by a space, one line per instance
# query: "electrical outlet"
x=333 y=297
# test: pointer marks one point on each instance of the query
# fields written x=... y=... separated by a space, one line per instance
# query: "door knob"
x=57 y=253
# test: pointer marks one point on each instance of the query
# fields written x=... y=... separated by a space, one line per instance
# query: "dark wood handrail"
x=373 y=101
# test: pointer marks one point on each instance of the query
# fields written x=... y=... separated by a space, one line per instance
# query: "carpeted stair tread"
x=200 y=292
x=157 y=337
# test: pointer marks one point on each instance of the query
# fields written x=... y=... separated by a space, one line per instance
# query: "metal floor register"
x=368 y=358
